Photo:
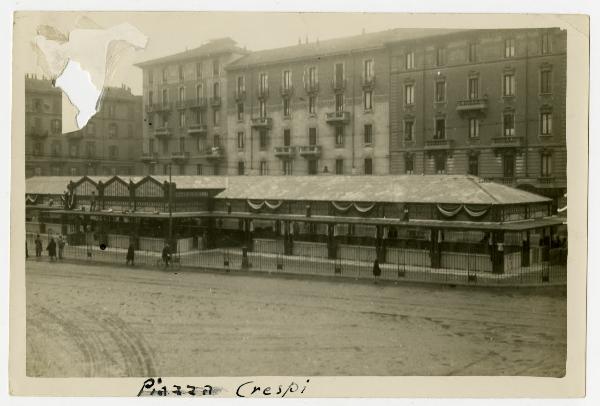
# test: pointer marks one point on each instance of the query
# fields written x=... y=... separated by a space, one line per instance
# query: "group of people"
x=53 y=247
x=166 y=255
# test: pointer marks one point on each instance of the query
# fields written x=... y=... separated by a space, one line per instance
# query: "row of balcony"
x=183 y=156
x=306 y=151
x=196 y=103
x=498 y=142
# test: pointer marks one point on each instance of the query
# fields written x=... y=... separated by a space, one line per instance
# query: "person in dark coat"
x=376 y=269
x=166 y=254
x=38 y=246
x=61 y=246
x=51 y=248
x=130 y=254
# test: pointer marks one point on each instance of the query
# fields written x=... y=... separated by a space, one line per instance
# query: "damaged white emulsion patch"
x=80 y=68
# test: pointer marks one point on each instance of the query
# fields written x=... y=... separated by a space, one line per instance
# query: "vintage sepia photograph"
x=328 y=195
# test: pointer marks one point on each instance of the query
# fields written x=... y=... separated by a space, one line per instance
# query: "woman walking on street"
x=376 y=269
x=61 y=246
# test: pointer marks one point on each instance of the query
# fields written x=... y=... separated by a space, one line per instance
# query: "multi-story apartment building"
x=185 y=123
x=485 y=102
x=312 y=108
x=108 y=145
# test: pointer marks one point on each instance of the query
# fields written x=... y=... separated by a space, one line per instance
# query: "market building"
x=108 y=145
x=430 y=222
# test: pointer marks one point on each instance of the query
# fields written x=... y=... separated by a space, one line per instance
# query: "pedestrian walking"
x=130 y=255
x=61 y=246
x=166 y=255
x=51 y=248
x=376 y=269
x=38 y=246
x=26 y=249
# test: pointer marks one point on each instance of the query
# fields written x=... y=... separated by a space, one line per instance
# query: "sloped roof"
x=452 y=189
x=335 y=46
x=216 y=46
x=48 y=185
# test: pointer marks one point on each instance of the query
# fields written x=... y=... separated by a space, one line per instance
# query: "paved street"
x=91 y=320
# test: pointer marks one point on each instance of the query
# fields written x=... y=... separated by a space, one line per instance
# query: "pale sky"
x=172 y=32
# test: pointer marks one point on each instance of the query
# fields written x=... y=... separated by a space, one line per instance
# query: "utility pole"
x=170 y=205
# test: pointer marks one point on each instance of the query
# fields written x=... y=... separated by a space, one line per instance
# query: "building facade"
x=108 y=145
x=311 y=109
x=489 y=103
x=185 y=123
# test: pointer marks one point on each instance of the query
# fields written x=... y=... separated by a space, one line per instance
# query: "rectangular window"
x=409 y=60
x=287 y=167
x=440 y=129
x=263 y=84
x=368 y=134
x=56 y=126
x=312 y=166
x=216 y=140
x=339 y=136
x=440 y=163
x=182 y=144
x=440 y=91
x=508 y=163
x=112 y=152
x=409 y=128
x=181 y=94
x=473 y=88
x=165 y=75
x=240 y=111
x=199 y=93
x=509 y=48
x=509 y=85
x=165 y=146
x=240 y=168
x=150 y=98
x=151 y=148
x=287 y=137
x=339 y=102
x=546 y=165
x=263 y=168
x=199 y=70
x=368 y=166
x=339 y=75
x=312 y=104
x=339 y=166
x=262 y=108
x=180 y=72
x=368 y=100
x=240 y=140
x=546 y=123
x=90 y=150
x=198 y=169
x=262 y=139
x=181 y=170
x=409 y=164
x=509 y=124
x=440 y=57
x=216 y=117
x=240 y=85
x=473 y=128
x=368 y=73
x=545 y=82
x=474 y=165
x=216 y=67
x=312 y=77
x=312 y=136
x=165 y=96
x=150 y=76
x=472 y=52
x=286 y=107
x=181 y=119
x=409 y=94
x=287 y=80
x=546 y=48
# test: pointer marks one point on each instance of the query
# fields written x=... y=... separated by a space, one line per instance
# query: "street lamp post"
x=170 y=206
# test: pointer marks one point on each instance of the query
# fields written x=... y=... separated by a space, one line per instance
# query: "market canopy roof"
x=452 y=189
